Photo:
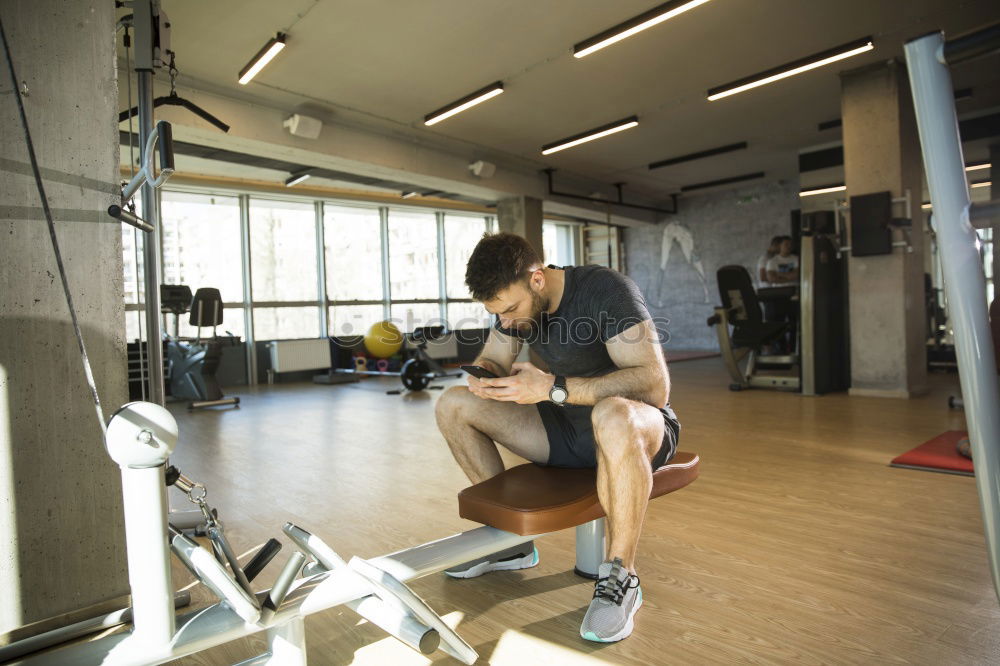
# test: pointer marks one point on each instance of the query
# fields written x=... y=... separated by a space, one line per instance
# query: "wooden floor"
x=798 y=544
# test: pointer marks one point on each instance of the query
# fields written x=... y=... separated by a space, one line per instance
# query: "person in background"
x=783 y=268
x=760 y=275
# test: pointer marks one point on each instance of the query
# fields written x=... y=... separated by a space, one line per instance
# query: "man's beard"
x=533 y=322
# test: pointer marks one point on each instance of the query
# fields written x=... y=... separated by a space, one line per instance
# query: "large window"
x=201 y=243
x=353 y=253
x=284 y=323
x=408 y=316
x=559 y=243
x=461 y=233
x=134 y=283
x=283 y=269
x=413 y=255
x=467 y=315
x=201 y=248
x=354 y=319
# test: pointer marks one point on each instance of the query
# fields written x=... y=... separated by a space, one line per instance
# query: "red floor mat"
x=937 y=455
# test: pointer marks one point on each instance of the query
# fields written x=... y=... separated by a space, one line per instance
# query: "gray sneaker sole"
x=525 y=562
x=624 y=633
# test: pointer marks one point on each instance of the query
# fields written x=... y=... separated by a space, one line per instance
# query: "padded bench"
x=531 y=499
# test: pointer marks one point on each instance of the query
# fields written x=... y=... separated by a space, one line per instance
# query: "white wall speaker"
x=303 y=126
x=483 y=169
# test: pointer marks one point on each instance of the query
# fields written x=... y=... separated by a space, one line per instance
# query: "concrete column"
x=62 y=545
x=882 y=152
x=522 y=216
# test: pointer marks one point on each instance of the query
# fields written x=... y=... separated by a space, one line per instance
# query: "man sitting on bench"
x=604 y=404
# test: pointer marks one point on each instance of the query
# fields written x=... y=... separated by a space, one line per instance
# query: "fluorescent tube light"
x=823 y=190
x=977 y=167
x=634 y=25
x=791 y=69
x=982 y=183
x=723 y=181
x=699 y=155
x=465 y=103
x=297 y=178
x=264 y=56
x=590 y=135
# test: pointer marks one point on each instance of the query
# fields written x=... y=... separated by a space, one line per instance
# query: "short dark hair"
x=498 y=261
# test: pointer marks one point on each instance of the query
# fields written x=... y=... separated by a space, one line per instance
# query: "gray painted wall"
x=61 y=530
x=731 y=227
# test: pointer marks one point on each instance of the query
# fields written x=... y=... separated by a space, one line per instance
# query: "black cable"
x=88 y=371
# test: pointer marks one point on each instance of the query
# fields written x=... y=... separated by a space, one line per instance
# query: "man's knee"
x=452 y=403
x=621 y=427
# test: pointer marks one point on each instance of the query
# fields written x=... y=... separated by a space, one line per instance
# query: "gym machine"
x=745 y=343
x=420 y=370
x=823 y=305
x=819 y=360
x=928 y=58
x=193 y=363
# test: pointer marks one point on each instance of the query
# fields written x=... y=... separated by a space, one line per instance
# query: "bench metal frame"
x=140 y=438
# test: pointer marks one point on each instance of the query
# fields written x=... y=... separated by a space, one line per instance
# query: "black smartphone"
x=479 y=372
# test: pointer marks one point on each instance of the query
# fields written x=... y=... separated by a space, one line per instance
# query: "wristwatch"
x=558 y=393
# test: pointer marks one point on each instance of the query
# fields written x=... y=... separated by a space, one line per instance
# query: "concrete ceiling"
x=387 y=64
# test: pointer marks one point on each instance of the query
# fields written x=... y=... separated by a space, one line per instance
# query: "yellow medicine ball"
x=383 y=339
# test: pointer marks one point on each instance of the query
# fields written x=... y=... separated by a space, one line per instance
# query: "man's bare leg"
x=471 y=425
x=629 y=434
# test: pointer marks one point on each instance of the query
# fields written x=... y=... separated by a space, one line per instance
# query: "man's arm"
x=498 y=353
x=791 y=276
x=641 y=374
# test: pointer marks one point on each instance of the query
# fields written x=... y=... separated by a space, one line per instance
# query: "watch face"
x=558 y=395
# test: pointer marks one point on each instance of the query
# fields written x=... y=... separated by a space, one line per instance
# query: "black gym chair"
x=741 y=309
x=193 y=364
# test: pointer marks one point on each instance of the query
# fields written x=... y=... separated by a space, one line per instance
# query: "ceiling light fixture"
x=699 y=155
x=467 y=102
x=408 y=195
x=264 y=56
x=791 y=69
x=982 y=183
x=297 y=178
x=823 y=190
x=926 y=206
x=636 y=24
x=977 y=167
x=723 y=181
x=590 y=135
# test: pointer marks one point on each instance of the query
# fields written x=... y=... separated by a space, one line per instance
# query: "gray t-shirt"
x=597 y=304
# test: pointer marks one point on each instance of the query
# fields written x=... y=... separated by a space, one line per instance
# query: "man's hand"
x=527 y=385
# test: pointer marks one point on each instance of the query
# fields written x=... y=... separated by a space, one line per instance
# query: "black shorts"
x=571 y=435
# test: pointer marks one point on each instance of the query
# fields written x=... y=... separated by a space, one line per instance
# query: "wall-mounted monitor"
x=871 y=215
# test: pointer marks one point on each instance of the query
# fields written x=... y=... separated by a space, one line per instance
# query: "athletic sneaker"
x=617 y=597
x=522 y=556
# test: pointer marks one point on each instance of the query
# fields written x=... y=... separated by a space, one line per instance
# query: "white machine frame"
x=955 y=217
x=141 y=436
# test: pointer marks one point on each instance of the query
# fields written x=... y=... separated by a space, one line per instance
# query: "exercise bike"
x=192 y=364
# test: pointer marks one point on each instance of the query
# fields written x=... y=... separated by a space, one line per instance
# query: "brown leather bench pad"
x=531 y=499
